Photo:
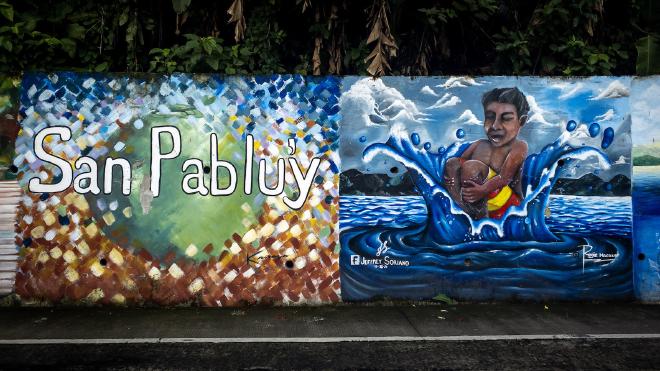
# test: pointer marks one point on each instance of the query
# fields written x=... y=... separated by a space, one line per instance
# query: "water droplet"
x=594 y=129
x=571 y=125
x=460 y=133
x=608 y=138
x=415 y=138
x=427 y=146
x=527 y=221
x=363 y=139
x=441 y=150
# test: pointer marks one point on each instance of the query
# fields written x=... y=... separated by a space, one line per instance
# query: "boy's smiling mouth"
x=496 y=137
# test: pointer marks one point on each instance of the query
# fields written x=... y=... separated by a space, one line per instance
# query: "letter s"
x=35 y=184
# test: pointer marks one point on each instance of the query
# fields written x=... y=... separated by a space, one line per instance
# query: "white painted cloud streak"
x=614 y=90
x=458 y=82
x=469 y=118
x=427 y=90
x=447 y=100
x=607 y=116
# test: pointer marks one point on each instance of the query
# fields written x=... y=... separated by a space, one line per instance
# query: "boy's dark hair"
x=508 y=95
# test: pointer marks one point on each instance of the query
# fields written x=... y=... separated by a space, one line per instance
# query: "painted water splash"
x=515 y=256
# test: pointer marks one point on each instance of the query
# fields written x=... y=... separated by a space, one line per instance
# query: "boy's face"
x=501 y=123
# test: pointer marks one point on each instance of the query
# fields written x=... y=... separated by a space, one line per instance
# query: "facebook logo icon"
x=355 y=259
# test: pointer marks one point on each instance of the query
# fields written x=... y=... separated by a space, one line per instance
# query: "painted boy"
x=485 y=179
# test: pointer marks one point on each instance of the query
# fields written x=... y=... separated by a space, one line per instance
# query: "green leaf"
x=76 y=31
x=101 y=67
x=7 y=11
x=648 y=55
x=131 y=31
x=69 y=46
x=123 y=18
x=445 y=299
x=6 y=44
x=208 y=44
x=180 y=6
x=213 y=62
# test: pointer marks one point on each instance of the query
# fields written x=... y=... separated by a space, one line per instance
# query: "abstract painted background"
x=179 y=248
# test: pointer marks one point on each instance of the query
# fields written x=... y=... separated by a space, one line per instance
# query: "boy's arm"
x=514 y=160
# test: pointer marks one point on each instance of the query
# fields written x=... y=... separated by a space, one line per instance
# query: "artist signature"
x=382 y=249
x=255 y=259
x=593 y=256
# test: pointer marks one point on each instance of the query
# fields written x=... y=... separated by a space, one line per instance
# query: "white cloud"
x=458 y=82
x=614 y=90
x=371 y=102
x=535 y=111
x=469 y=118
x=646 y=112
x=568 y=90
x=605 y=116
x=427 y=90
x=447 y=100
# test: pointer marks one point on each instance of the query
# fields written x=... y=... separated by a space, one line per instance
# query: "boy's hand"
x=473 y=191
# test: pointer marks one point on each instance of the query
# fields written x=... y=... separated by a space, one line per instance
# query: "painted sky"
x=644 y=97
x=436 y=107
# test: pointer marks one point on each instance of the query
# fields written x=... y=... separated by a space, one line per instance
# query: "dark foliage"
x=527 y=37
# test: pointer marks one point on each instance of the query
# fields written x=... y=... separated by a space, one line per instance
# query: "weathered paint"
x=10 y=194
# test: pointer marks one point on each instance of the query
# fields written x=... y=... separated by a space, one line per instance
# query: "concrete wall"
x=297 y=190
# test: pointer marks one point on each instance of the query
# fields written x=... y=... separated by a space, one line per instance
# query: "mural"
x=226 y=191
x=486 y=188
x=646 y=187
x=178 y=189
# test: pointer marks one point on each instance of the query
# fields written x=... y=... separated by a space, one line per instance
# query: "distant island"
x=646 y=155
x=646 y=160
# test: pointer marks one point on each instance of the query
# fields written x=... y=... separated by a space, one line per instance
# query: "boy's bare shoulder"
x=520 y=145
x=481 y=142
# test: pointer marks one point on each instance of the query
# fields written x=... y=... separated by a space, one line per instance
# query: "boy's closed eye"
x=507 y=116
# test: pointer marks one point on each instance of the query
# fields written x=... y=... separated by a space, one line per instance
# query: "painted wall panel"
x=551 y=221
x=232 y=237
x=297 y=190
x=646 y=187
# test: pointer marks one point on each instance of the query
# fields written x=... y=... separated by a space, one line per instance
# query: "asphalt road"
x=472 y=337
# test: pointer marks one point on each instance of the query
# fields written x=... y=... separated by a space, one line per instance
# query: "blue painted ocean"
x=548 y=248
x=646 y=206
x=608 y=216
x=590 y=261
